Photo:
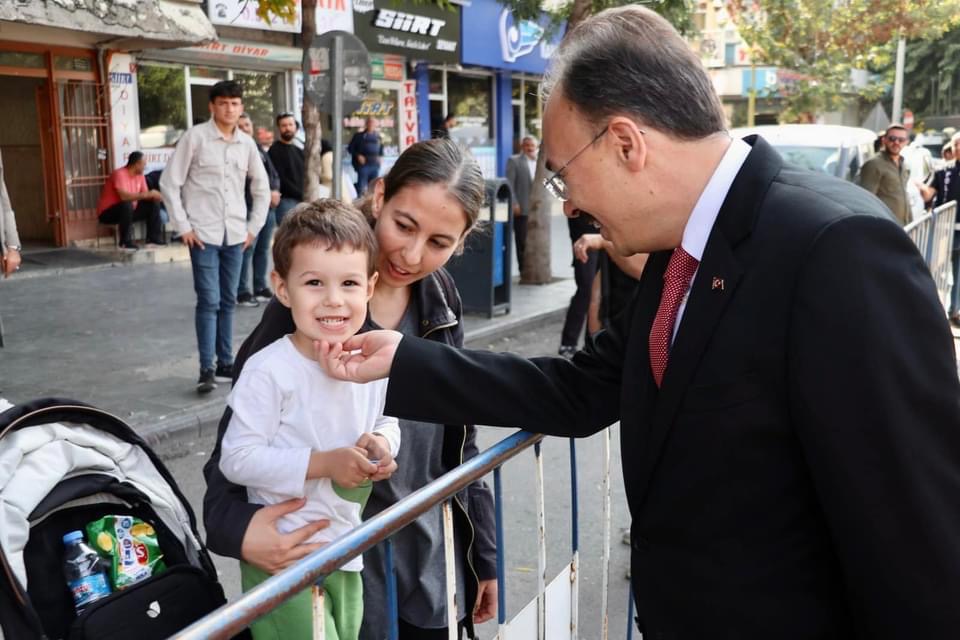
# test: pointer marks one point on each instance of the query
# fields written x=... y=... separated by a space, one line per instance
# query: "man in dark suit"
x=784 y=377
x=520 y=171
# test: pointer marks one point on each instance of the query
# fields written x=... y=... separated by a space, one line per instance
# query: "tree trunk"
x=536 y=267
x=537 y=257
x=311 y=114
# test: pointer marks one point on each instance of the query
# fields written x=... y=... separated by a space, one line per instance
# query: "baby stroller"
x=64 y=464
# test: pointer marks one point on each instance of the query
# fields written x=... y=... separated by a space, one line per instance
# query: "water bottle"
x=86 y=575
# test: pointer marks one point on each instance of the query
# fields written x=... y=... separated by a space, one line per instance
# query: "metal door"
x=83 y=142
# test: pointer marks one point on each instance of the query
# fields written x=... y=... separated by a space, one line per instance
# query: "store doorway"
x=24 y=103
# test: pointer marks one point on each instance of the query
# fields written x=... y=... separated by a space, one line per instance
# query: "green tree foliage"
x=932 y=75
x=162 y=101
x=822 y=41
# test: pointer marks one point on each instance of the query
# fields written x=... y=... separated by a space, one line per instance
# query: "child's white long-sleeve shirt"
x=284 y=407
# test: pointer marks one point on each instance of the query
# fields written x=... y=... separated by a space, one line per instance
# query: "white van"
x=828 y=148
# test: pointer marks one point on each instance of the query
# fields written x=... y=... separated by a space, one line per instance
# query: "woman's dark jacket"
x=226 y=512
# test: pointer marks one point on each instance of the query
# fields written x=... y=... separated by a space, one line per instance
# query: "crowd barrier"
x=933 y=235
x=552 y=615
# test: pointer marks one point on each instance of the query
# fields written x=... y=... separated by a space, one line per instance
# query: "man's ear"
x=280 y=288
x=630 y=142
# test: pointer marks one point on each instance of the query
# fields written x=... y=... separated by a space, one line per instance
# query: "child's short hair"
x=324 y=221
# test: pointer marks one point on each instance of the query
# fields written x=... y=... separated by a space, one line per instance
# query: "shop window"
x=72 y=63
x=516 y=89
x=469 y=100
x=436 y=81
x=21 y=59
x=261 y=95
x=381 y=105
x=163 y=105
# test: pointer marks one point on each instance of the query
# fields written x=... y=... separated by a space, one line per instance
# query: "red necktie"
x=676 y=281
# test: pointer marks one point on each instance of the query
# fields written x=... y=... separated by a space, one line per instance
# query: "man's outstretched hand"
x=362 y=358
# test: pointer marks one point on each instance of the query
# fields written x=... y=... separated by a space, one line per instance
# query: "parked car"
x=832 y=149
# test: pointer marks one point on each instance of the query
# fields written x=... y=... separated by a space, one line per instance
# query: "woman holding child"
x=422 y=212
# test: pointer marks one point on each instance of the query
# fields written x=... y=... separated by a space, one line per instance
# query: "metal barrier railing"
x=309 y=572
x=933 y=235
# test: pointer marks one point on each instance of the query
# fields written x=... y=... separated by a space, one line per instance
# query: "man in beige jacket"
x=9 y=240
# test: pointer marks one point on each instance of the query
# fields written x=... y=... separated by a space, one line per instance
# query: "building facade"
x=55 y=136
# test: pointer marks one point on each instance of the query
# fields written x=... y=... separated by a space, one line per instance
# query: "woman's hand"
x=362 y=358
x=586 y=243
x=486 y=606
x=267 y=549
x=378 y=450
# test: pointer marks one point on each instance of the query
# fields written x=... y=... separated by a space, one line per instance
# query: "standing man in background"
x=203 y=185
x=583 y=274
x=287 y=157
x=9 y=239
x=886 y=175
x=366 y=149
x=520 y=171
x=253 y=287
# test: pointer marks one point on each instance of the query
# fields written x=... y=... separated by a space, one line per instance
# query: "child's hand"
x=347 y=466
x=378 y=451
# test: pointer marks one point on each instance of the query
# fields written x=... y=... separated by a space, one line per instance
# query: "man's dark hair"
x=285 y=115
x=134 y=158
x=326 y=222
x=226 y=89
x=631 y=61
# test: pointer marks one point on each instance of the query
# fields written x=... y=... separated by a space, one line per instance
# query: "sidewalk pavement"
x=120 y=335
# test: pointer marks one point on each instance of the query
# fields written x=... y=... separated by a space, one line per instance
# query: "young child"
x=296 y=432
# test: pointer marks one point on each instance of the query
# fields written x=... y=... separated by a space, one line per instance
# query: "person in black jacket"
x=946 y=183
x=422 y=211
x=784 y=375
x=254 y=290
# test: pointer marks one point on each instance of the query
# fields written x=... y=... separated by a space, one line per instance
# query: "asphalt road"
x=185 y=457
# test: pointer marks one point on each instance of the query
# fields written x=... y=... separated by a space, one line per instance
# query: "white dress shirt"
x=531 y=165
x=705 y=212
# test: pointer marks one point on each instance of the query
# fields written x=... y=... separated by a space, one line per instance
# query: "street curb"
x=495 y=332
x=191 y=421
x=180 y=424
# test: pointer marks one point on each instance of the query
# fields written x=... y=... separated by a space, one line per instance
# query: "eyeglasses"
x=897 y=138
x=555 y=184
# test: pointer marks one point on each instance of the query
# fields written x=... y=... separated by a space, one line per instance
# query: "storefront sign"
x=424 y=32
x=520 y=45
x=124 y=109
x=386 y=67
x=408 y=114
x=332 y=15
x=232 y=52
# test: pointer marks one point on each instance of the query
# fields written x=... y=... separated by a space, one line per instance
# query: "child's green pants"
x=293 y=620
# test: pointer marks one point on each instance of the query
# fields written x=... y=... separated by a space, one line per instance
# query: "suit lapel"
x=713 y=287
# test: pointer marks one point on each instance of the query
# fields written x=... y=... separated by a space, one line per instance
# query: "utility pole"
x=897 y=113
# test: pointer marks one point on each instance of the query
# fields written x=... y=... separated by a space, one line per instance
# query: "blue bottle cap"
x=72 y=537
